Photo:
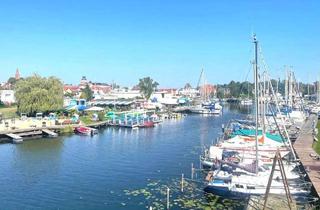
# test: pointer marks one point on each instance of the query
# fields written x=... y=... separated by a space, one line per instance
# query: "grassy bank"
x=316 y=144
x=67 y=129
x=8 y=112
x=86 y=120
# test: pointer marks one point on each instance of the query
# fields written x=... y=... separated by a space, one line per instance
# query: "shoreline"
x=38 y=132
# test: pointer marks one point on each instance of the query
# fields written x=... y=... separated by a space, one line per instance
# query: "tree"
x=87 y=93
x=187 y=86
x=39 y=94
x=147 y=86
x=12 y=81
x=70 y=95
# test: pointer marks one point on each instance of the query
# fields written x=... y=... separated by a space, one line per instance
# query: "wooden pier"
x=98 y=124
x=15 y=138
x=17 y=135
x=49 y=133
x=303 y=148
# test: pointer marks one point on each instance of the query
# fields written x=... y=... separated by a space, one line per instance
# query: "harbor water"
x=115 y=169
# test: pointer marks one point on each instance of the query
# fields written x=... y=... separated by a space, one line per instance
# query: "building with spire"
x=17 y=75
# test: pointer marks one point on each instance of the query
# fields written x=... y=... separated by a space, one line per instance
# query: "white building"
x=190 y=92
x=124 y=94
x=165 y=97
x=7 y=96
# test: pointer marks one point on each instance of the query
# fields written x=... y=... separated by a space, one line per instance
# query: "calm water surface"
x=79 y=172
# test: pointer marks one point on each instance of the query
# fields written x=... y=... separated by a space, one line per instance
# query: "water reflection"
x=242 y=109
x=82 y=172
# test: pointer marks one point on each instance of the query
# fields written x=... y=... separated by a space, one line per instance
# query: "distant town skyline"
x=169 y=41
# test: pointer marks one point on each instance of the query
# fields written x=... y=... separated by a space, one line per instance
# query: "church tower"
x=17 y=76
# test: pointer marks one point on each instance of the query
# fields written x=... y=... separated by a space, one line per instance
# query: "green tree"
x=87 y=93
x=147 y=86
x=12 y=81
x=39 y=94
x=187 y=86
x=70 y=95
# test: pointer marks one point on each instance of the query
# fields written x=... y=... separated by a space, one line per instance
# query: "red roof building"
x=71 y=89
x=100 y=89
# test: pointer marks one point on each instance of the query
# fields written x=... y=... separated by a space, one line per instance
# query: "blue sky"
x=124 y=40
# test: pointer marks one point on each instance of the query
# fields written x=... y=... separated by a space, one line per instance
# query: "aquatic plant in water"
x=192 y=197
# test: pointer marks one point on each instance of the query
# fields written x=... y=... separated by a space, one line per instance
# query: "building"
x=165 y=96
x=208 y=90
x=71 y=89
x=189 y=92
x=83 y=82
x=172 y=91
x=100 y=88
x=17 y=75
x=7 y=97
x=124 y=93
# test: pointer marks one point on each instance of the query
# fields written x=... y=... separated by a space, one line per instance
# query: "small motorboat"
x=82 y=130
x=147 y=124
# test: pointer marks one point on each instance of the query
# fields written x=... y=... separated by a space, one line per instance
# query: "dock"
x=49 y=133
x=15 y=138
x=18 y=135
x=303 y=148
x=274 y=202
x=98 y=124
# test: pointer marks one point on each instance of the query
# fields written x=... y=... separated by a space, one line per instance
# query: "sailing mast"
x=255 y=41
x=318 y=98
x=263 y=100
x=198 y=85
x=286 y=86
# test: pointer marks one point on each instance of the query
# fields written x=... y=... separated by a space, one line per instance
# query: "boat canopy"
x=252 y=132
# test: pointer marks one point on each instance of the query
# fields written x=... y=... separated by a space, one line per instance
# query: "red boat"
x=147 y=124
x=83 y=130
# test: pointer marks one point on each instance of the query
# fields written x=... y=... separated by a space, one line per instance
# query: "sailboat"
x=252 y=179
x=206 y=106
x=247 y=101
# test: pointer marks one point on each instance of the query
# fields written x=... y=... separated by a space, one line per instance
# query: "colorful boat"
x=147 y=124
x=82 y=130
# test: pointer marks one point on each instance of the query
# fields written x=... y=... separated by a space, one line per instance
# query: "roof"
x=94 y=108
x=167 y=89
x=101 y=88
x=112 y=102
x=71 y=87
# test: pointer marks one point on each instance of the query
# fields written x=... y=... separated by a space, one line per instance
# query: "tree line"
x=246 y=89
x=40 y=94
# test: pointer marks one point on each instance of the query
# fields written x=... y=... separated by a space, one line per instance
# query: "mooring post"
x=168 y=197
x=182 y=182
x=192 y=170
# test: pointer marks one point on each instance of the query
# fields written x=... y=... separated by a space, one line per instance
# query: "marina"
x=160 y=105
x=98 y=168
x=304 y=141
x=261 y=148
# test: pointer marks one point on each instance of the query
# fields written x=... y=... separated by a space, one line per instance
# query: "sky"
x=169 y=40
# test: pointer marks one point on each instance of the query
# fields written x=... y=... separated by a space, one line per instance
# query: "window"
x=239 y=186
